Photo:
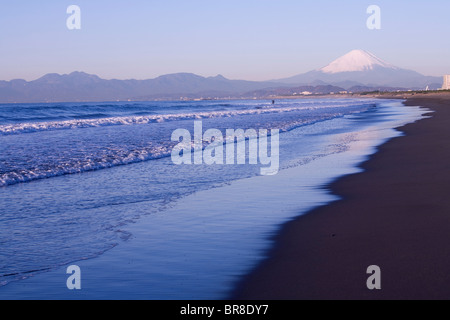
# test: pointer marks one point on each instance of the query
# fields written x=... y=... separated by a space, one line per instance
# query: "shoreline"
x=395 y=214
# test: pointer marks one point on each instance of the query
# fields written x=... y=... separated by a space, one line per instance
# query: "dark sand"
x=395 y=215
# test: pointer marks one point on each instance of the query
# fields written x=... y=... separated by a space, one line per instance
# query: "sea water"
x=93 y=184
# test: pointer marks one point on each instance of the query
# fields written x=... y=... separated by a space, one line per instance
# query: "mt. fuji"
x=359 y=67
x=356 y=60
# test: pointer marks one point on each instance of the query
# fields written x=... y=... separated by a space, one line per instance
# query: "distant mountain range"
x=80 y=86
x=356 y=71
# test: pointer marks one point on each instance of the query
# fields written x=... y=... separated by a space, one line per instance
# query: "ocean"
x=95 y=185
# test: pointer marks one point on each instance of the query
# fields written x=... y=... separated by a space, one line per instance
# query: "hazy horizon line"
x=181 y=72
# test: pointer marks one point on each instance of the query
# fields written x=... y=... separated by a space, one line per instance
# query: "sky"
x=240 y=39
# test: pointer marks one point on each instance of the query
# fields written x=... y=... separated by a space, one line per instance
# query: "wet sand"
x=395 y=214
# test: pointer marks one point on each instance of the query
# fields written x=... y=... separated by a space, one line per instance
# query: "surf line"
x=212 y=147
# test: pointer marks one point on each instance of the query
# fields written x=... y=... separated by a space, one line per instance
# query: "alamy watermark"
x=74 y=280
x=374 y=281
x=73 y=22
x=374 y=20
x=213 y=147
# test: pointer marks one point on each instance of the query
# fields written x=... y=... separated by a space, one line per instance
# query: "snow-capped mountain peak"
x=356 y=60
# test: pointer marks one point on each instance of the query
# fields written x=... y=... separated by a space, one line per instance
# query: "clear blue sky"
x=240 y=39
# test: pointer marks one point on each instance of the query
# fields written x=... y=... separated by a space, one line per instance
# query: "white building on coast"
x=446 y=85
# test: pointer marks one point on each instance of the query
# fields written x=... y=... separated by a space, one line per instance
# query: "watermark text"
x=213 y=147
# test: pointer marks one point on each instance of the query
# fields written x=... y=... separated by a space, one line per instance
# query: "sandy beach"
x=395 y=214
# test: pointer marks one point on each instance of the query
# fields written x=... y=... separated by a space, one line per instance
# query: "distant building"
x=446 y=85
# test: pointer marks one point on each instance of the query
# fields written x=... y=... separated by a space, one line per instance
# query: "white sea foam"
x=78 y=152
x=30 y=127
